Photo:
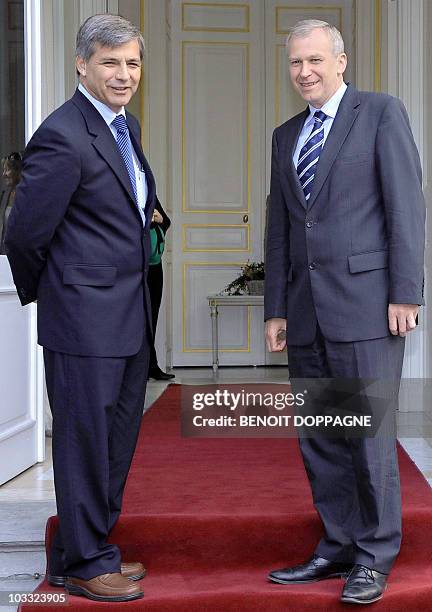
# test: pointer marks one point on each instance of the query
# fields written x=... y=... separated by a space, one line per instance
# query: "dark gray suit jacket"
x=358 y=244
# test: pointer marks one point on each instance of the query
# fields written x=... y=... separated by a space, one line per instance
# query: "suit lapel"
x=291 y=143
x=151 y=186
x=104 y=141
x=345 y=117
x=107 y=148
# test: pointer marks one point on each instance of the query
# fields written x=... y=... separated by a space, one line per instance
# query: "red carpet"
x=210 y=517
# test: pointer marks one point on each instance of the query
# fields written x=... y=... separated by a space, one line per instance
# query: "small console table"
x=217 y=300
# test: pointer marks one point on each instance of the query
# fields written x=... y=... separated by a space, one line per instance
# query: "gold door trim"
x=209 y=29
x=307 y=9
x=183 y=129
x=216 y=250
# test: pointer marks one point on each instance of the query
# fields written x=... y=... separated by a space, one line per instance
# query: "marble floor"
x=27 y=500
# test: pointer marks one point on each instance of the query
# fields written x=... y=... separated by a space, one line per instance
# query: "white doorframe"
x=33 y=118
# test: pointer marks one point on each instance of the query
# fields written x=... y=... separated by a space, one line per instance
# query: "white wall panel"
x=288 y=16
x=209 y=17
x=221 y=238
x=21 y=402
x=14 y=360
x=215 y=121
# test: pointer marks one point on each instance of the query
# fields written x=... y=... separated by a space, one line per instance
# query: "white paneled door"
x=21 y=382
x=228 y=92
x=217 y=59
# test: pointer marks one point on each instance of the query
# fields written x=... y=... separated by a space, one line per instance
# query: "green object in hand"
x=157 y=238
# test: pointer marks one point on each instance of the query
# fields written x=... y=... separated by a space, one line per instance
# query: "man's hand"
x=275 y=332
x=157 y=217
x=402 y=318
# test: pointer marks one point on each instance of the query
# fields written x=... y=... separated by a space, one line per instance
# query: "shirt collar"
x=330 y=108
x=107 y=114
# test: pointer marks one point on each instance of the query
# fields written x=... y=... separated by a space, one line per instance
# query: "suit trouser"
x=354 y=481
x=97 y=405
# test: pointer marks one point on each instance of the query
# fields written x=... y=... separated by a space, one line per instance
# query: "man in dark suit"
x=78 y=243
x=344 y=276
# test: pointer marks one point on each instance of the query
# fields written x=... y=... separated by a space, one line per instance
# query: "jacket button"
x=309 y=223
x=312 y=266
x=23 y=292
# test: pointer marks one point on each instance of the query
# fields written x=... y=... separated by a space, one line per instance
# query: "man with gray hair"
x=78 y=243
x=344 y=281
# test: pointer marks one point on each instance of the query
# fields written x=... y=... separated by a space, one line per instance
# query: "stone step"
x=20 y=558
x=22 y=568
x=24 y=522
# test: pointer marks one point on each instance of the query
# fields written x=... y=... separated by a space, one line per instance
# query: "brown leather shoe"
x=107 y=587
x=133 y=571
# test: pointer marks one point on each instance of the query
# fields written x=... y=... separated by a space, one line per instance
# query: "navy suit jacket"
x=75 y=238
x=358 y=244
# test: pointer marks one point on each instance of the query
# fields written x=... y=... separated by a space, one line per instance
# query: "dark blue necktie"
x=310 y=153
x=125 y=145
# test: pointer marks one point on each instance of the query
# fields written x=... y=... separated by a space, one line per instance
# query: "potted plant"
x=251 y=280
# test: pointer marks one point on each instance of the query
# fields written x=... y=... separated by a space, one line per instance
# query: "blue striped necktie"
x=125 y=145
x=310 y=153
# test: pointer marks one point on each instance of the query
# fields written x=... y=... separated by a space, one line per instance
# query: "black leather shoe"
x=158 y=374
x=364 y=585
x=316 y=568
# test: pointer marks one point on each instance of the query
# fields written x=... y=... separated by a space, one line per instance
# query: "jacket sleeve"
x=50 y=176
x=277 y=262
x=401 y=184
